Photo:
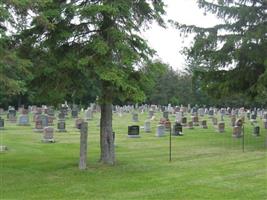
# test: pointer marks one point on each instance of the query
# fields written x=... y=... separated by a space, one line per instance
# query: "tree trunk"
x=106 y=136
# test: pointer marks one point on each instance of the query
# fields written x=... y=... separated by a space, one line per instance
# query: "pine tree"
x=91 y=39
x=231 y=57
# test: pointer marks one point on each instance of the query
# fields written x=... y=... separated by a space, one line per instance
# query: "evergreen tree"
x=72 y=42
x=230 y=58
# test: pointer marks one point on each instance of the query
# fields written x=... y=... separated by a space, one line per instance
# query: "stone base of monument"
x=48 y=140
x=133 y=136
x=3 y=148
x=2 y=128
x=23 y=124
x=237 y=132
x=38 y=130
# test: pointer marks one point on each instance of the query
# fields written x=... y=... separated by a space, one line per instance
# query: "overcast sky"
x=167 y=42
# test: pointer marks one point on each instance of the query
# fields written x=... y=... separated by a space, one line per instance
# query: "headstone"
x=160 y=132
x=214 y=121
x=237 y=131
x=24 y=120
x=167 y=125
x=150 y=114
x=61 y=126
x=3 y=148
x=190 y=125
x=74 y=113
x=195 y=121
x=177 y=129
x=12 y=116
x=133 y=131
x=88 y=114
x=147 y=127
x=256 y=130
x=135 y=117
x=2 y=123
x=166 y=114
x=178 y=117
x=204 y=124
x=233 y=119
x=38 y=126
x=50 y=120
x=61 y=115
x=184 y=121
x=48 y=134
x=44 y=119
x=221 y=126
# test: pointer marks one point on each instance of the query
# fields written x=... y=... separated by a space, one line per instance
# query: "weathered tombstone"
x=214 y=121
x=2 y=123
x=184 y=121
x=190 y=125
x=160 y=132
x=147 y=127
x=50 y=120
x=38 y=126
x=88 y=114
x=133 y=131
x=178 y=117
x=177 y=129
x=166 y=114
x=195 y=121
x=150 y=114
x=24 y=120
x=61 y=126
x=233 y=119
x=221 y=127
x=83 y=145
x=256 y=130
x=12 y=116
x=211 y=113
x=44 y=119
x=135 y=117
x=48 y=134
x=78 y=123
x=50 y=112
x=74 y=113
x=237 y=130
x=167 y=125
x=204 y=124
x=61 y=115
x=3 y=148
x=253 y=117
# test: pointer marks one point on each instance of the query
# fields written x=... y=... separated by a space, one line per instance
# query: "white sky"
x=167 y=42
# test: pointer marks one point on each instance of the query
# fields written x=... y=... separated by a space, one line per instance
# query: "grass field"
x=205 y=165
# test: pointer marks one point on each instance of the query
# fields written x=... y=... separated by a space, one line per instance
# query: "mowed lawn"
x=205 y=164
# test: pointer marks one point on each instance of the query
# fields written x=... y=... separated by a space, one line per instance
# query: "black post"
x=170 y=146
x=243 y=141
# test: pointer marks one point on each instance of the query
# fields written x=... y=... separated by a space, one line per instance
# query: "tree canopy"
x=230 y=58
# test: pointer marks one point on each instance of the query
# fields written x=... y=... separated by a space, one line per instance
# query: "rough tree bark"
x=106 y=136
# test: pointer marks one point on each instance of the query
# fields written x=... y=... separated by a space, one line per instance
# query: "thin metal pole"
x=243 y=141
x=170 y=146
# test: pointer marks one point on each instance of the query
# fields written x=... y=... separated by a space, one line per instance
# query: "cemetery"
x=205 y=159
x=147 y=99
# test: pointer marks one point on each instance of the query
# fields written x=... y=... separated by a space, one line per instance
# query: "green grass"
x=205 y=165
